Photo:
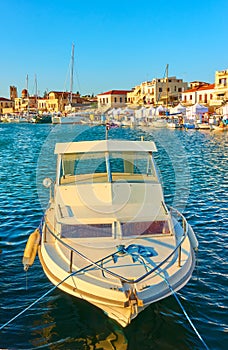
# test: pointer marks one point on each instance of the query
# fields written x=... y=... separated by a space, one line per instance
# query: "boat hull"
x=112 y=297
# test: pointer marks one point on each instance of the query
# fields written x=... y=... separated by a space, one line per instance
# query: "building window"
x=211 y=96
x=160 y=89
x=190 y=97
x=120 y=99
x=180 y=89
x=115 y=99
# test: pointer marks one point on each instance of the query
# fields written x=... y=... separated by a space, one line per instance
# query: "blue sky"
x=118 y=44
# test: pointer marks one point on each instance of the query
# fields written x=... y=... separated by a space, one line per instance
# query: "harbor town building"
x=112 y=99
x=162 y=91
x=167 y=91
x=202 y=93
x=6 y=105
x=221 y=87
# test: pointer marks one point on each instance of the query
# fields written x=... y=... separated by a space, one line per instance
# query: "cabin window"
x=77 y=164
x=107 y=167
x=131 y=163
x=86 y=231
x=144 y=228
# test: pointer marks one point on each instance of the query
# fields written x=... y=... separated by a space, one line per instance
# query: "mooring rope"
x=43 y=296
x=88 y=266
x=184 y=311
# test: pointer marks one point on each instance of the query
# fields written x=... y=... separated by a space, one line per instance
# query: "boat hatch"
x=124 y=166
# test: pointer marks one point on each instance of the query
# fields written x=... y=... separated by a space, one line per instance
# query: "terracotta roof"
x=5 y=99
x=200 y=88
x=65 y=93
x=115 y=92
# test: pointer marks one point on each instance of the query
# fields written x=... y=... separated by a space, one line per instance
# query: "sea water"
x=193 y=169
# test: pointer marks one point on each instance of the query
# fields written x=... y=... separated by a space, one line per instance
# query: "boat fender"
x=192 y=238
x=31 y=249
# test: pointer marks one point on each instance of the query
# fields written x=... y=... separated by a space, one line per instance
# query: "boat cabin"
x=108 y=188
x=105 y=161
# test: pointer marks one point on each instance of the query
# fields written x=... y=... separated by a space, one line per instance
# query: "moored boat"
x=108 y=236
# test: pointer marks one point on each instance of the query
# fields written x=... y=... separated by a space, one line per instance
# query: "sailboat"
x=71 y=117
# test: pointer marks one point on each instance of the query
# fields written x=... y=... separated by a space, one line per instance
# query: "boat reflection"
x=79 y=328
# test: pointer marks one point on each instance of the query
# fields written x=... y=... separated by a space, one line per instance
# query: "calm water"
x=193 y=167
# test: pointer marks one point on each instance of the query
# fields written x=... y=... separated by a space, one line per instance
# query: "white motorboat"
x=107 y=235
x=173 y=125
x=204 y=126
x=159 y=123
x=72 y=118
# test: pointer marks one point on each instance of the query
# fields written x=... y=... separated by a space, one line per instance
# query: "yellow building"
x=55 y=101
x=6 y=105
x=58 y=101
x=158 y=91
x=25 y=103
x=221 y=87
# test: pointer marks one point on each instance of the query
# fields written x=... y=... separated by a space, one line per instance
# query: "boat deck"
x=130 y=266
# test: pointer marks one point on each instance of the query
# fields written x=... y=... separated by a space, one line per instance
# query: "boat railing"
x=184 y=224
x=100 y=263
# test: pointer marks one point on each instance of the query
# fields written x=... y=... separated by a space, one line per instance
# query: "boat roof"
x=105 y=146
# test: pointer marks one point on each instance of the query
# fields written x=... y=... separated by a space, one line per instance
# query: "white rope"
x=185 y=313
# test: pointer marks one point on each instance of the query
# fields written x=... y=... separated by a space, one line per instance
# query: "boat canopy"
x=105 y=146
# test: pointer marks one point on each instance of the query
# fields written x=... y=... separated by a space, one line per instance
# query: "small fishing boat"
x=220 y=128
x=107 y=236
x=204 y=126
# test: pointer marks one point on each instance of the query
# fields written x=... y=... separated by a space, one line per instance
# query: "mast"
x=167 y=86
x=27 y=93
x=72 y=75
x=36 y=93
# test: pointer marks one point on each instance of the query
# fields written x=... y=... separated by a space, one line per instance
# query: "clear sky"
x=118 y=44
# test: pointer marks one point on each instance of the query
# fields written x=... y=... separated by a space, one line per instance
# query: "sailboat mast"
x=167 y=86
x=36 y=94
x=27 y=93
x=72 y=74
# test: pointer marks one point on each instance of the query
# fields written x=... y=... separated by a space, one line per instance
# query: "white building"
x=199 y=94
x=112 y=99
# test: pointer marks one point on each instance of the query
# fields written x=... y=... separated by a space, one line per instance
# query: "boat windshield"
x=107 y=167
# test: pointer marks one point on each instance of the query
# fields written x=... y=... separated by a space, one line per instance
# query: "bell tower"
x=13 y=93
